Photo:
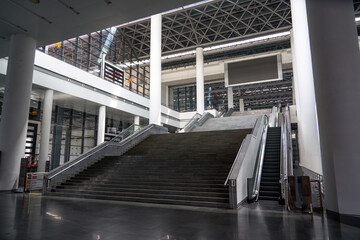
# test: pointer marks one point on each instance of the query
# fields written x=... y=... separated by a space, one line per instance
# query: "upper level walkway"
x=51 y=73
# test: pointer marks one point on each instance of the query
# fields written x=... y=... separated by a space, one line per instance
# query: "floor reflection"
x=36 y=217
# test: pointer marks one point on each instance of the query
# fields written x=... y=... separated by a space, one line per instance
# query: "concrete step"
x=129 y=187
x=185 y=169
x=186 y=197
x=158 y=184
x=142 y=191
x=146 y=200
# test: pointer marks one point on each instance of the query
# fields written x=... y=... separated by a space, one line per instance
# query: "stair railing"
x=127 y=132
x=221 y=114
x=229 y=112
x=204 y=118
x=286 y=158
x=191 y=124
x=253 y=184
x=118 y=145
x=244 y=164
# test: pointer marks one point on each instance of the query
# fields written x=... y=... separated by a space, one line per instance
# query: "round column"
x=136 y=122
x=230 y=96
x=336 y=64
x=45 y=130
x=15 y=111
x=200 y=102
x=101 y=125
x=308 y=131
x=155 y=70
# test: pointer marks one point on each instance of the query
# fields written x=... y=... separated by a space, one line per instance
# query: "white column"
x=16 y=108
x=308 y=131
x=230 y=95
x=241 y=105
x=336 y=60
x=136 y=122
x=45 y=130
x=200 y=102
x=102 y=65
x=101 y=125
x=155 y=70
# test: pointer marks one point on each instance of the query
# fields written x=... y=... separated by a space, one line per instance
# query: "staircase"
x=182 y=169
x=269 y=185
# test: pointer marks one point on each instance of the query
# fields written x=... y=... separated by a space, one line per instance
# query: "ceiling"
x=204 y=24
x=55 y=20
x=213 y=22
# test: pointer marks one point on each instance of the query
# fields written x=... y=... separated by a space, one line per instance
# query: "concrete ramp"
x=252 y=112
x=228 y=123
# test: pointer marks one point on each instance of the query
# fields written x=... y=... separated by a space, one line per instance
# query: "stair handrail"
x=243 y=146
x=254 y=182
x=244 y=164
x=191 y=123
x=127 y=132
x=92 y=151
x=221 y=114
x=229 y=112
x=77 y=162
x=204 y=118
x=286 y=158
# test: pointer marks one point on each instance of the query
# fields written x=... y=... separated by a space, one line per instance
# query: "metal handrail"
x=221 y=114
x=289 y=140
x=126 y=133
x=286 y=159
x=190 y=124
x=260 y=162
x=203 y=118
x=234 y=163
x=229 y=112
x=242 y=146
x=79 y=159
x=118 y=148
x=82 y=157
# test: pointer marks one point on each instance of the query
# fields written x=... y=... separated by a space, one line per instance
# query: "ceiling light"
x=35 y=1
x=220 y=46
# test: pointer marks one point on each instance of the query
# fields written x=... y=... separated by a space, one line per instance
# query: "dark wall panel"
x=253 y=70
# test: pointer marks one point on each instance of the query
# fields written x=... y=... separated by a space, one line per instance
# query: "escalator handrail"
x=286 y=165
x=260 y=162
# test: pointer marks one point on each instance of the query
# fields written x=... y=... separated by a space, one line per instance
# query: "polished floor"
x=36 y=217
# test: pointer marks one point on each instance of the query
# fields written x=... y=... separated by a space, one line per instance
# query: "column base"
x=353 y=220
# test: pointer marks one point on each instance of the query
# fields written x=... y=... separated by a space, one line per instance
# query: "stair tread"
x=151 y=200
x=156 y=193
x=158 y=170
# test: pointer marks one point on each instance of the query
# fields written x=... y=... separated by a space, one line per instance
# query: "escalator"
x=270 y=186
